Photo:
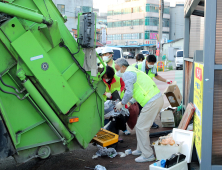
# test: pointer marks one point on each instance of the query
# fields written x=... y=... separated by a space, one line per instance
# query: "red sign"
x=157 y=52
x=108 y=42
x=198 y=73
x=153 y=36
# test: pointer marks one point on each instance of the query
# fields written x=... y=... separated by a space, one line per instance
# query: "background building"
x=177 y=21
x=133 y=24
x=71 y=8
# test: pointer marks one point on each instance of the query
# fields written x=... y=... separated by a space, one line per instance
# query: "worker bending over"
x=113 y=83
x=143 y=89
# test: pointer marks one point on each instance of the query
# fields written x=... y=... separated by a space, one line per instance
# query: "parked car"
x=118 y=53
x=179 y=59
x=128 y=55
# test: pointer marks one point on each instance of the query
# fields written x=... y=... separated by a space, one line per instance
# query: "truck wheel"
x=44 y=152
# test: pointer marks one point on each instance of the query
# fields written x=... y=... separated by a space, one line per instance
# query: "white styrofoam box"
x=179 y=166
x=165 y=152
x=188 y=138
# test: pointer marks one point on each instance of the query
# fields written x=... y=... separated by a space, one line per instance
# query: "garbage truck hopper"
x=50 y=96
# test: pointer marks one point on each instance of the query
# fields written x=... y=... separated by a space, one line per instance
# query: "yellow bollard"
x=162 y=66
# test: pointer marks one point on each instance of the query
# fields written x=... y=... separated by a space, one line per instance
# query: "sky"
x=102 y=4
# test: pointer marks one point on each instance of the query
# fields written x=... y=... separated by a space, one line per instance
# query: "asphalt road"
x=78 y=159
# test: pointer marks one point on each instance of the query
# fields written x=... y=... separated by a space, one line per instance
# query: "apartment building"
x=71 y=8
x=133 y=24
x=177 y=21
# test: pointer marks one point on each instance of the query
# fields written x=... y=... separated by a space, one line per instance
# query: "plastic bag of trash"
x=109 y=106
x=99 y=167
x=103 y=151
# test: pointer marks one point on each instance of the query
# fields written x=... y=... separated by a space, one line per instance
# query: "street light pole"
x=160 y=27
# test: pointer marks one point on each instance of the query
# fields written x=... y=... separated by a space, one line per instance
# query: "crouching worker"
x=143 y=89
x=113 y=84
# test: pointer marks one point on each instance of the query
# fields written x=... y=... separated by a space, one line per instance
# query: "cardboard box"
x=167 y=118
x=173 y=95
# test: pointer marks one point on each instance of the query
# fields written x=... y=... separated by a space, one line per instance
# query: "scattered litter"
x=128 y=152
x=95 y=156
x=103 y=151
x=99 y=167
x=121 y=154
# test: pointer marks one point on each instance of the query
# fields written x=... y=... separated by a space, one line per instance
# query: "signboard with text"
x=157 y=52
x=198 y=104
x=153 y=36
x=150 y=42
x=133 y=43
x=109 y=42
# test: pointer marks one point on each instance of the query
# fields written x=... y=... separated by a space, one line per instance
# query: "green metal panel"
x=6 y=59
x=40 y=36
x=21 y=116
x=90 y=119
x=36 y=136
x=51 y=79
x=13 y=29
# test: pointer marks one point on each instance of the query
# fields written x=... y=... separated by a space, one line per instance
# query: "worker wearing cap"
x=107 y=54
x=144 y=90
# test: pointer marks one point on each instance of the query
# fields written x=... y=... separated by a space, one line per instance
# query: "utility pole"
x=160 y=27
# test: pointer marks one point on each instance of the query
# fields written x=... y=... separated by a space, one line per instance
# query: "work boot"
x=154 y=126
x=142 y=159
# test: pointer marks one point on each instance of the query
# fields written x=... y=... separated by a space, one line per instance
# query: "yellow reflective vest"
x=144 y=88
x=150 y=74
x=115 y=85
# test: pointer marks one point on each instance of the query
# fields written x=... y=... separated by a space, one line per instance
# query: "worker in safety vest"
x=148 y=67
x=139 y=59
x=113 y=83
x=144 y=90
x=107 y=54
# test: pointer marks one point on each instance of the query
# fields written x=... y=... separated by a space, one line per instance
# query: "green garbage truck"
x=50 y=91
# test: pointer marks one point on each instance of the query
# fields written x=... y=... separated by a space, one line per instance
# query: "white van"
x=118 y=53
x=179 y=59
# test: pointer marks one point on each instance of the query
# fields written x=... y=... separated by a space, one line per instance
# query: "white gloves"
x=108 y=95
x=119 y=106
x=168 y=81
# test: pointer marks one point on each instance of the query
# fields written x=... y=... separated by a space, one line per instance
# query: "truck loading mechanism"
x=49 y=102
